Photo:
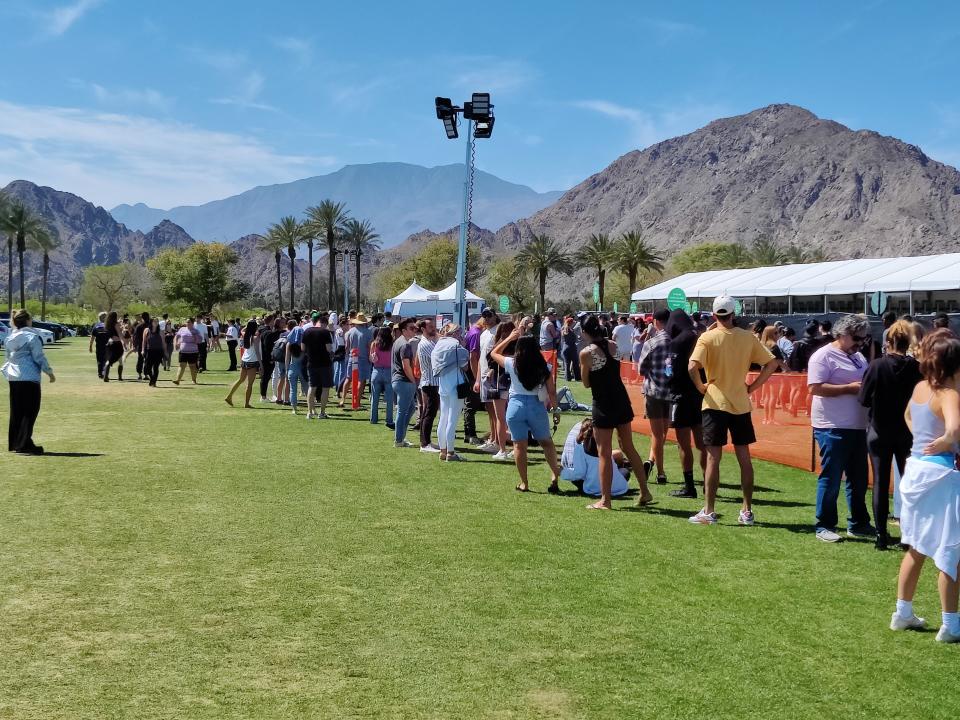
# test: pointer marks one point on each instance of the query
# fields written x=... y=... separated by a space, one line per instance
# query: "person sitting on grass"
x=580 y=462
x=532 y=390
x=249 y=364
x=930 y=488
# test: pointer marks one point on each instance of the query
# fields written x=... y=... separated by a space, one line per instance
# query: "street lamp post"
x=346 y=277
x=479 y=116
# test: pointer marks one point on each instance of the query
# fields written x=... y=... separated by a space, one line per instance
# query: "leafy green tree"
x=634 y=255
x=597 y=253
x=326 y=222
x=541 y=256
x=764 y=252
x=45 y=241
x=504 y=277
x=108 y=287
x=24 y=224
x=273 y=244
x=199 y=276
x=434 y=267
x=709 y=256
x=797 y=255
x=359 y=238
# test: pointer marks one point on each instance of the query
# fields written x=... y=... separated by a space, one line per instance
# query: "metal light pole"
x=460 y=307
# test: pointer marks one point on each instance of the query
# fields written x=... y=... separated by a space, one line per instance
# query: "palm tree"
x=634 y=254
x=325 y=222
x=273 y=244
x=4 y=214
x=290 y=233
x=309 y=238
x=598 y=253
x=541 y=255
x=765 y=252
x=23 y=223
x=45 y=241
x=359 y=238
x=797 y=255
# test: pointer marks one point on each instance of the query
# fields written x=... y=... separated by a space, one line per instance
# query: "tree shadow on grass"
x=762 y=502
x=756 y=488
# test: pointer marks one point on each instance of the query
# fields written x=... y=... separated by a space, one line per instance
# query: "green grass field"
x=210 y=562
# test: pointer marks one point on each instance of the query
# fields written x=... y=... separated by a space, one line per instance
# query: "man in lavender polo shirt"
x=840 y=427
x=473 y=403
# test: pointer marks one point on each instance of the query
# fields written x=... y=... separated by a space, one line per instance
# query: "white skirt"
x=930 y=512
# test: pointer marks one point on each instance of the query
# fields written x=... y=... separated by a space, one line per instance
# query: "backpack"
x=566 y=401
x=279 y=352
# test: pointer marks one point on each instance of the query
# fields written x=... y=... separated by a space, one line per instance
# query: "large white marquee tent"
x=916 y=284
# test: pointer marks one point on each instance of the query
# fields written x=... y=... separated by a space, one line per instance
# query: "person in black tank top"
x=611 y=411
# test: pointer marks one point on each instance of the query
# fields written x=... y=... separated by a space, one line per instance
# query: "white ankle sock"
x=952 y=622
x=905 y=608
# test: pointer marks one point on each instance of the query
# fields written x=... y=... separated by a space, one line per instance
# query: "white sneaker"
x=828 y=536
x=500 y=455
x=945 y=636
x=704 y=518
x=745 y=517
x=429 y=449
x=510 y=456
x=910 y=623
x=489 y=447
x=402 y=444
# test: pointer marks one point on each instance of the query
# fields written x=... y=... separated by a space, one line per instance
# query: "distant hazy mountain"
x=778 y=172
x=397 y=198
x=88 y=236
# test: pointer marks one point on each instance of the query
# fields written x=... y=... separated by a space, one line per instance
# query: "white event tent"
x=928 y=283
x=417 y=301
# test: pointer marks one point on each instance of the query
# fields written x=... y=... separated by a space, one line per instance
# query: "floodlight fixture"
x=480 y=104
x=444 y=108
x=450 y=125
x=484 y=128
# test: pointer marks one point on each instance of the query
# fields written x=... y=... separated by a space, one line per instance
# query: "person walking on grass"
x=380 y=380
x=98 y=342
x=611 y=412
x=885 y=392
x=152 y=349
x=114 y=346
x=139 y=330
x=233 y=337
x=656 y=366
x=930 y=488
x=448 y=362
x=24 y=364
x=532 y=390
x=725 y=354
x=187 y=343
x=404 y=381
x=839 y=425
x=318 y=351
x=429 y=384
x=249 y=364
x=357 y=346
x=201 y=327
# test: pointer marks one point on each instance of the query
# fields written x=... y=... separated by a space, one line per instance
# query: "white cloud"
x=492 y=74
x=301 y=49
x=113 y=158
x=62 y=18
x=132 y=99
x=249 y=93
x=647 y=128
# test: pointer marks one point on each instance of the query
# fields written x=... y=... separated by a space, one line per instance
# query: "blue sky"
x=184 y=102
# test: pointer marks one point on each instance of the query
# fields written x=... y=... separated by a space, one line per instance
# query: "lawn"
x=211 y=562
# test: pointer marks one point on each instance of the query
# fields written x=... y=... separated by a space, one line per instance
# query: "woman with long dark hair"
x=114 y=346
x=249 y=364
x=495 y=386
x=532 y=390
x=153 y=351
x=611 y=411
x=380 y=380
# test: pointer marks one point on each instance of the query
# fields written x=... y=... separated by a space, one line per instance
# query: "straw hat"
x=360 y=319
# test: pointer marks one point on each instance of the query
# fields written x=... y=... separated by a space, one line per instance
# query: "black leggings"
x=430 y=396
x=151 y=365
x=232 y=349
x=24 y=408
x=883 y=451
x=266 y=375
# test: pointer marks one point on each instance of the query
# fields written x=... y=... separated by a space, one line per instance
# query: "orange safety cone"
x=355 y=387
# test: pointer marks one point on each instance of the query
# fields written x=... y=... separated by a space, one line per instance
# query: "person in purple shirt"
x=473 y=403
x=839 y=422
x=187 y=342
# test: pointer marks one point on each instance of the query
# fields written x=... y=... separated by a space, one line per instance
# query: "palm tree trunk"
x=20 y=251
x=543 y=290
x=632 y=275
x=332 y=263
x=279 y=284
x=292 y=283
x=43 y=296
x=358 y=282
x=10 y=275
x=601 y=280
x=310 y=273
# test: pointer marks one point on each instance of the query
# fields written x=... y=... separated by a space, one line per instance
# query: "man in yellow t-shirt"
x=725 y=353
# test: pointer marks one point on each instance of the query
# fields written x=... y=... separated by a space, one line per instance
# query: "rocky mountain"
x=397 y=198
x=88 y=235
x=778 y=172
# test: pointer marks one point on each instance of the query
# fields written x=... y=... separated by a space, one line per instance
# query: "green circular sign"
x=633 y=307
x=504 y=304
x=677 y=299
x=738 y=307
x=616 y=307
x=694 y=307
x=878 y=302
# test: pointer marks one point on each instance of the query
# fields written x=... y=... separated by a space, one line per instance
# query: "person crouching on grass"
x=531 y=386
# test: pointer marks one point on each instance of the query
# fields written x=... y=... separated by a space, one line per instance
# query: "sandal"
x=554 y=488
x=521 y=488
x=598 y=506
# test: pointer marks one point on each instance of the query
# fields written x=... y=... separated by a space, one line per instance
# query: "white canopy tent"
x=417 y=301
x=853 y=281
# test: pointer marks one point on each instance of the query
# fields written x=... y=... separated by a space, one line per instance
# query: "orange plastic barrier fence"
x=781 y=417
x=551 y=357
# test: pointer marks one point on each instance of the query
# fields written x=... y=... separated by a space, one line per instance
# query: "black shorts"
x=687 y=413
x=658 y=409
x=189 y=358
x=716 y=424
x=320 y=376
x=250 y=365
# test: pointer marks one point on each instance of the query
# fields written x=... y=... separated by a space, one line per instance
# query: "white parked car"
x=45 y=335
x=4 y=334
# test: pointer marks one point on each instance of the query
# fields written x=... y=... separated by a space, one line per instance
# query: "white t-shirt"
x=516 y=387
x=202 y=329
x=233 y=332
x=486 y=345
x=623 y=337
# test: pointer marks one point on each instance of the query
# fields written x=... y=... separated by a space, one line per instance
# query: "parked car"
x=59 y=331
x=45 y=335
x=4 y=333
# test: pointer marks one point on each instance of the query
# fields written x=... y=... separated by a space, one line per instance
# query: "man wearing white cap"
x=725 y=353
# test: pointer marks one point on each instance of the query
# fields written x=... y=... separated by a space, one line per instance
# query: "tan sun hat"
x=360 y=319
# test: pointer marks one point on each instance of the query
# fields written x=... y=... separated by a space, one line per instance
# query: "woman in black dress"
x=611 y=411
x=114 y=346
